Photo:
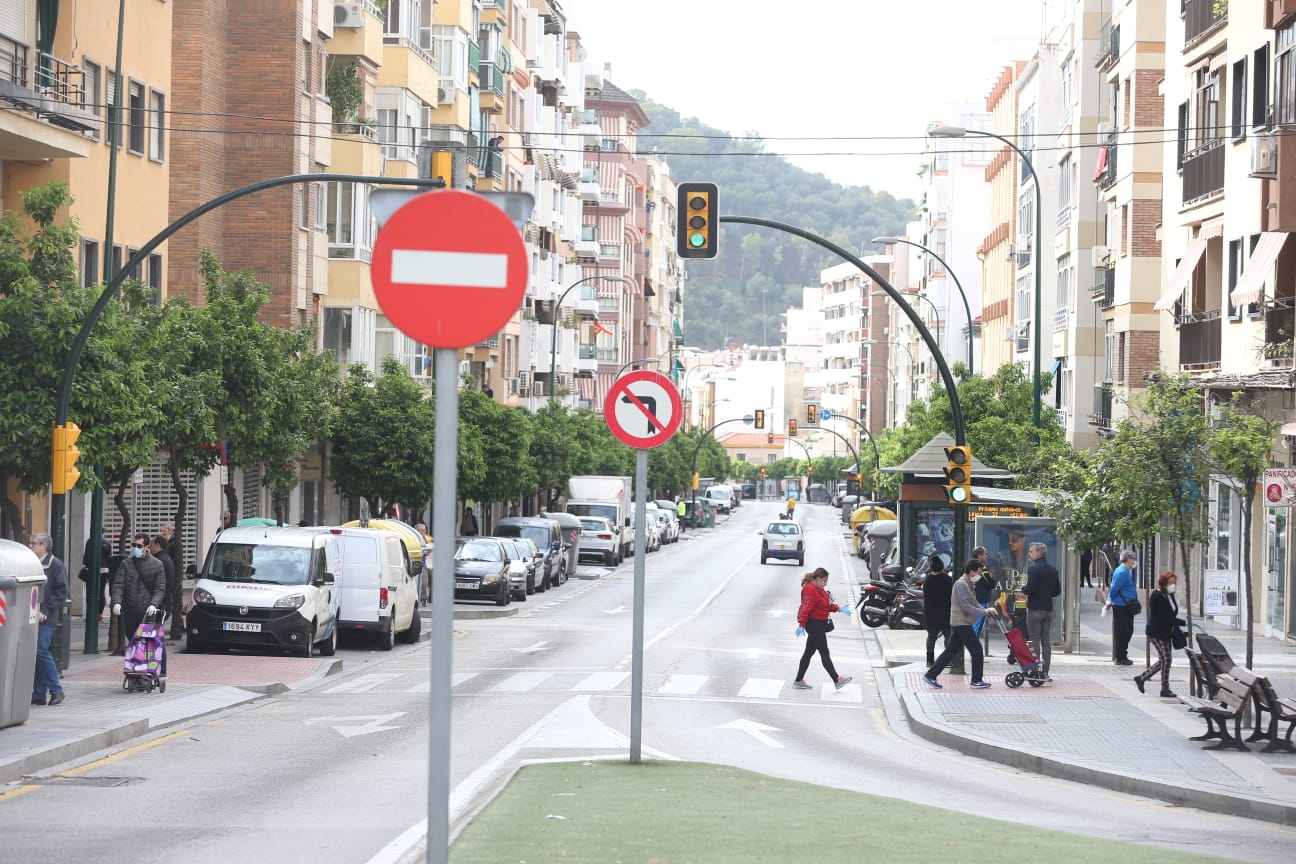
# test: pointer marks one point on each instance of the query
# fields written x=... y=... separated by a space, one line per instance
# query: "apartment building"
x=854 y=316
x=802 y=329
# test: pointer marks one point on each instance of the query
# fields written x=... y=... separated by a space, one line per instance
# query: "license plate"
x=241 y=626
x=466 y=585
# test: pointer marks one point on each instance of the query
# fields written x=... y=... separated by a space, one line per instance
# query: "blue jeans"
x=47 y=680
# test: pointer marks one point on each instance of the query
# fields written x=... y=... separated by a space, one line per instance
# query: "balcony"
x=1107 y=177
x=606 y=355
x=53 y=91
x=1199 y=341
x=587 y=303
x=1203 y=172
x=1280 y=317
x=588 y=244
x=1108 y=47
x=586 y=359
x=1201 y=17
x=610 y=251
x=587 y=189
x=1104 y=287
x=590 y=131
x=1102 y=409
x=491 y=95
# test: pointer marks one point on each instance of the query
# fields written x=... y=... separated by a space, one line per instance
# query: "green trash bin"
x=22 y=580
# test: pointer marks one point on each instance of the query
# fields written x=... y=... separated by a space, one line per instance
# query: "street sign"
x=449 y=269
x=825 y=415
x=643 y=409
x=1279 y=487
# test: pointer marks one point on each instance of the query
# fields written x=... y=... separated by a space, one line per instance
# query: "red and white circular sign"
x=449 y=269
x=643 y=409
x=1274 y=493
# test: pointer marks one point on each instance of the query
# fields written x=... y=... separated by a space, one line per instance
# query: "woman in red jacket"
x=816 y=606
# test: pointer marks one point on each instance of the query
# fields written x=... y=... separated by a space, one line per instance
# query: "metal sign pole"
x=446 y=370
x=637 y=639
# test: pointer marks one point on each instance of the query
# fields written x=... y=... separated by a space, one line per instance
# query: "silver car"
x=599 y=540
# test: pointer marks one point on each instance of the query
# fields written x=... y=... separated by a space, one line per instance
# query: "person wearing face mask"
x=1163 y=618
x=138 y=588
x=964 y=610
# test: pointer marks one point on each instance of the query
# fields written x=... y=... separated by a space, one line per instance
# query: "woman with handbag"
x=1163 y=621
x=813 y=623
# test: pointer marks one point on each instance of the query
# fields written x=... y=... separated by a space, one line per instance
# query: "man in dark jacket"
x=1042 y=585
x=936 y=590
x=139 y=587
x=46 y=679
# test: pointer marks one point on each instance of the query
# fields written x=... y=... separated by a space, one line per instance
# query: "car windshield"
x=479 y=550
x=257 y=562
x=593 y=525
x=782 y=528
x=607 y=511
x=720 y=494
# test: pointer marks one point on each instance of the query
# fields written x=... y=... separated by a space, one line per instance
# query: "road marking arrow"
x=615 y=611
x=754 y=729
x=532 y=648
x=371 y=723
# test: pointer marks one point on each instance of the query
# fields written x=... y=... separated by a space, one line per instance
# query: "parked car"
x=670 y=508
x=749 y=491
x=783 y=539
x=652 y=528
x=547 y=537
x=481 y=570
x=571 y=531
x=379 y=595
x=664 y=526
x=600 y=540
x=721 y=498
x=523 y=567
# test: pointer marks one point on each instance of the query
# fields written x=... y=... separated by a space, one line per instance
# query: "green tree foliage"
x=553 y=450
x=505 y=436
x=739 y=296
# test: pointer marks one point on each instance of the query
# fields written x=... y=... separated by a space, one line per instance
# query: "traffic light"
x=958 y=474
x=762 y=471
x=791 y=428
x=443 y=167
x=758 y=418
x=809 y=469
x=63 y=458
x=812 y=414
x=695 y=479
x=769 y=438
x=698 y=220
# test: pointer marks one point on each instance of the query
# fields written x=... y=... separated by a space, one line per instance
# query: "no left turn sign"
x=643 y=409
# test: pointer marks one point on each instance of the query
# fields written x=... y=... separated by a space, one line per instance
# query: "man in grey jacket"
x=138 y=587
x=964 y=611
x=46 y=679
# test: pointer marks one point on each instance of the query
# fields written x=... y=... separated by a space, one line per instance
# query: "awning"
x=585 y=387
x=1288 y=429
x=1181 y=275
x=1102 y=164
x=1211 y=228
x=1251 y=284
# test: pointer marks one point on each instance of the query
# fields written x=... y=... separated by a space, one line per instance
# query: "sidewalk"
x=1092 y=725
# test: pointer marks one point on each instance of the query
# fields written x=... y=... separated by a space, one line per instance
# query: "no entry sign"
x=643 y=409
x=449 y=269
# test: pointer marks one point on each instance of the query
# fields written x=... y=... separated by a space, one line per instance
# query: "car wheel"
x=531 y=586
x=520 y=596
x=504 y=596
x=328 y=647
x=416 y=627
x=762 y=559
x=563 y=575
x=309 y=648
x=801 y=561
x=386 y=638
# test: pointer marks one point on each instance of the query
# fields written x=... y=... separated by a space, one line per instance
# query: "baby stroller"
x=142 y=666
x=1021 y=654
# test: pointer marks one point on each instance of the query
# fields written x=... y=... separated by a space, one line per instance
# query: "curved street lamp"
x=960 y=132
x=935 y=311
x=967 y=308
x=553 y=352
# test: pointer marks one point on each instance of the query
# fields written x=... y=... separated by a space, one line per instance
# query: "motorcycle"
x=878 y=598
x=907 y=610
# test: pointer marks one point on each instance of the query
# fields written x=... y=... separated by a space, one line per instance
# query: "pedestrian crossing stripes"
x=364 y=683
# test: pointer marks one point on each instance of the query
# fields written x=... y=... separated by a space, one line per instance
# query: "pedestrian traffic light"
x=791 y=428
x=758 y=418
x=812 y=414
x=698 y=220
x=769 y=438
x=63 y=458
x=958 y=474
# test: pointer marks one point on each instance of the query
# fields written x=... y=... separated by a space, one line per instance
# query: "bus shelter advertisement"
x=1007 y=540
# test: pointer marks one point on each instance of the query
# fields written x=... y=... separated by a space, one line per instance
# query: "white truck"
x=606 y=496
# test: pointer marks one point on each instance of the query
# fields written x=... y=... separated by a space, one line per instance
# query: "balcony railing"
x=1104 y=289
x=1108 y=47
x=1201 y=17
x=1199 y=340
x=606 y=355
x=1203 y=171
x=54 y=90
x=1102 y=409
x=492 y=78
x=586 y=352
x=1108 y=176
x=1280 y=318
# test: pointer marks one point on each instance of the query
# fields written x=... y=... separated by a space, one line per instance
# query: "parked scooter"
x=879 y=598
x=907 y=610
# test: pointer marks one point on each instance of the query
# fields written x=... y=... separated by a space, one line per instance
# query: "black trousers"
x=816 y=641
x=961 y=637
x=932 y=634
x=1122 y=631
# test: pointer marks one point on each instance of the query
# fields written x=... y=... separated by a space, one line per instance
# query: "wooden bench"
x=1227 y=701
x=1280 y=710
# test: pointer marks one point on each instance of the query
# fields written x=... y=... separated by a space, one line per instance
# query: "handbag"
x=1134 y=606
x=1178 y=638
x=828 y=625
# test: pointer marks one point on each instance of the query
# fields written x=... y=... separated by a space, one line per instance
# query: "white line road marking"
x=615 y=611
x=521 y=682
x=754 y=729
x=460 y=269
x=532 y=648
x=455 y=680
x=602 y=681
x=762 y=688
x=373 y=723
x=683 y=685
x=364 y=683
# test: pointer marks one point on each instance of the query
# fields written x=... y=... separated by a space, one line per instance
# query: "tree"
x=553 y=450
x=1239 y=446
x=505 y=437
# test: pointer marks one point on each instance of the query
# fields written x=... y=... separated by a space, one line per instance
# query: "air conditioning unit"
x=350 y=15
x=522 y=390
x=522 y=376
x=1264 y=154
x=1023 y=244
x=513 y=386
x=537 y=388
x=1100 y=255
x=1010 y=254
x=446 y=95
x=1105 y=129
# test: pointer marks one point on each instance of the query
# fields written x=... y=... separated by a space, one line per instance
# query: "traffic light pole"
x=947 y=378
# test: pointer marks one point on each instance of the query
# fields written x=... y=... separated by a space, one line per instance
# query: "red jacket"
x=814 y=604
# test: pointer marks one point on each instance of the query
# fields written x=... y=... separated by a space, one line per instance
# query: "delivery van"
x=379 y=594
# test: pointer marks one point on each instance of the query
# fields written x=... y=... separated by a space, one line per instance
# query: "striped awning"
x=1179 y=279
x=1258 y=267
x=585 y=388
x=1101 y=166
x=605 y=380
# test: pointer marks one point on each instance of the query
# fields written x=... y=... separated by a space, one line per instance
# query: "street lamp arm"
x=553 y=341
x=967 y=307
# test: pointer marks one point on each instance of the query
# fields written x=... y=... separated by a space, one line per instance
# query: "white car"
x=599 y=540
x=522 y=566
x=652 y=528
x=783 y=539
x=667 y=527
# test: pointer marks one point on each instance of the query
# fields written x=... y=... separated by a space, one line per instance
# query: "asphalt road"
x=336 y=772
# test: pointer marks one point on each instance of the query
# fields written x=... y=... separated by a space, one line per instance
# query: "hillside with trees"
x=739 y=296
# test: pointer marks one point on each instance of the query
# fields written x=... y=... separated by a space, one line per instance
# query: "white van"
x=721 y=498
x=379 y=595
x=267 y=588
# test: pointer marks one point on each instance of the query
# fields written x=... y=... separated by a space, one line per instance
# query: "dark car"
x=749 y=491
x=546 y=534
x=481 y=570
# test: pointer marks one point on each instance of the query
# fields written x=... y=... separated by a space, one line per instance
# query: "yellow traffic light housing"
x=812 y=414
x=792 y=429
x=758 y=418
x=696 y=478
x=698 y=220
x=958 y=474
x=63 y=458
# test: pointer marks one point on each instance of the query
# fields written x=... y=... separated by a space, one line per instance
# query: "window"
x=1235 y=262
x=1026 y=137
x=1068 y=96
x=1285 y=75
x=1237 y=104
x=93 y=73
x=157 y=126
x=1024 y=312
x=116 y=261
x=1109 y=351
x=1065 y=191
x=741 y=457
x=89 y=263
x=350 y=224
x=1026 y=221
x=1181 y=135
x=770 y=458
x=321 y=207
x=155 y=276
x=1206 y=114
x=1065 y=286
x=302 y=206
x=1223 y=527
x=1253 y=309
x=134 y=272
x=1260 y=87
x=138 y=118
x=110 y=101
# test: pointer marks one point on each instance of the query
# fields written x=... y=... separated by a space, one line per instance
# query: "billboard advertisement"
x=1007 y=540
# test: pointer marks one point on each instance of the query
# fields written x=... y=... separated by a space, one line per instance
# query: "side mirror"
x=191 y=570
x=627 y=522
x=327 y=578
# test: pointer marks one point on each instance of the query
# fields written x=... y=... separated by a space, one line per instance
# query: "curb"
x=73 y=748
x=1209 y=801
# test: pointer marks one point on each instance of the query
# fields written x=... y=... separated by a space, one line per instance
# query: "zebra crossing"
x=611 y=681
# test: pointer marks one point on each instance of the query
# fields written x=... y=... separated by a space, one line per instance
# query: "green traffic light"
x=697 y=240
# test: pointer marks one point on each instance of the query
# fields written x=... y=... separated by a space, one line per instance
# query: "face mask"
x=1170 y=589
x=137 y=552
x=976 y=577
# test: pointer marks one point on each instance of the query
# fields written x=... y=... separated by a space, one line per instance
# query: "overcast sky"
x=801 y=74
